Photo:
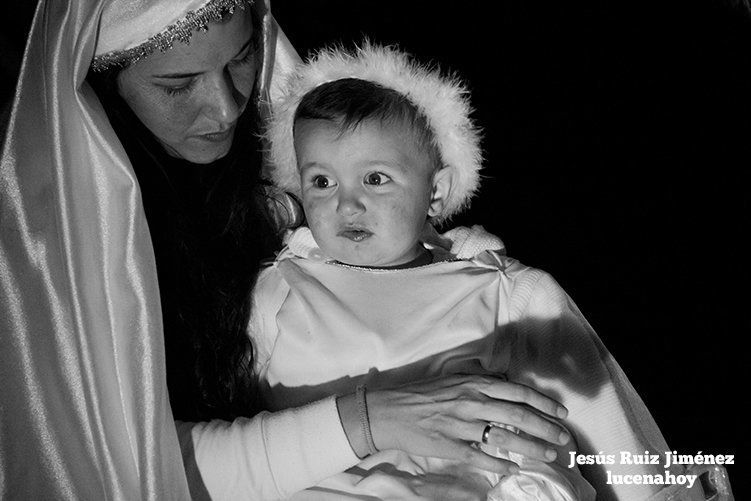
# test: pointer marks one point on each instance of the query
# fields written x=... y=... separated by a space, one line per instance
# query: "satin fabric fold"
x=84 y=411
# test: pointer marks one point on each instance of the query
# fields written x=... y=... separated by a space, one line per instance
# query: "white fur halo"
x=442 y=100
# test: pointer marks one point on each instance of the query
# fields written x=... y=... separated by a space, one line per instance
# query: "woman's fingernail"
x=551 y=454
x=564 y=437
x=562 y=412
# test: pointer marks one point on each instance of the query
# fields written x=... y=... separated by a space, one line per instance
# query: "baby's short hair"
x=440 y=104
x=349 y=102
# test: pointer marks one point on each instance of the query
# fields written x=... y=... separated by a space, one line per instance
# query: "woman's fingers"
x=477 y=458
x=467 y=386
x=514 y=392
x=491 y=399
x=464 y=447
x=442 y=417
x=507 y=440
x=523 y=418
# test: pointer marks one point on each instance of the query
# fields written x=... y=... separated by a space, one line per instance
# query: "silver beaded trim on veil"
x=181 y=31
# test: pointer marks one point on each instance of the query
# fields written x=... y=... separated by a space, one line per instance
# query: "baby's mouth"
x=355 y=234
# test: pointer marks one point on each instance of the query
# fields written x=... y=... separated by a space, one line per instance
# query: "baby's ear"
x=441 y=189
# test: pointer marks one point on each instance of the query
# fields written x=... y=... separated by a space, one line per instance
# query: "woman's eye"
x=321 y=182
x=178 y=89
x=249 y=55
x=377 y=178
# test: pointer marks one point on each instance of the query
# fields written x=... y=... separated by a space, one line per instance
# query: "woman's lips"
x=217 y=137
x=354 y=234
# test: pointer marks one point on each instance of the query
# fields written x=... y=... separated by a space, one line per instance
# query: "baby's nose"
x=350 y=204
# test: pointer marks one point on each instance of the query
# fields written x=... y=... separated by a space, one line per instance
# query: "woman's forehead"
x=224 y=41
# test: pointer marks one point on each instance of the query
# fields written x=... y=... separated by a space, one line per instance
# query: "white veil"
x=84 y=412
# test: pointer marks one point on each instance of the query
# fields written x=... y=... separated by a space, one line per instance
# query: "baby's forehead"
x=342 y=127
x=372 y=129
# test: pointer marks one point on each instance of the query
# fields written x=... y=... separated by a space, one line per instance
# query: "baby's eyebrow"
x=394 y=164
x=310 y=165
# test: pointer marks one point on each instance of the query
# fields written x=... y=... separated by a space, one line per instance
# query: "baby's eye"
x=377 y=178
x=322 y=182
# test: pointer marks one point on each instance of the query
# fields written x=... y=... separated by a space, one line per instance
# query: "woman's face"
x=191 y=96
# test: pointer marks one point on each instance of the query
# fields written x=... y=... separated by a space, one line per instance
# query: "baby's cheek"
x=406 y=215
x=311 y=211
x=317 y=222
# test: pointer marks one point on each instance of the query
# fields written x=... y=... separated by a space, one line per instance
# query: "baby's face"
x=366 y=193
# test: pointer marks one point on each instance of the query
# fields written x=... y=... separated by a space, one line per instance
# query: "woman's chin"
x=203 y=153
x=209 y=155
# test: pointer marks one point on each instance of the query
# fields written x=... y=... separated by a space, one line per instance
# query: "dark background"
x=617 y=145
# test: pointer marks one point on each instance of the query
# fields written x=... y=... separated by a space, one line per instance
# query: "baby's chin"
x=369 y=261
x=368 y=253
x=364 y=262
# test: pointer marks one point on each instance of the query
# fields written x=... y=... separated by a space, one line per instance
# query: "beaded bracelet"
x=362 y=412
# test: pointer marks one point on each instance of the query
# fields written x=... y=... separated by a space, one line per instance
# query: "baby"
x=379 y=149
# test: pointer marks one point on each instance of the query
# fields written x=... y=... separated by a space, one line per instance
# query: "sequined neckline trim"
x=181 y=30
x=439 y=257
x=392 y=270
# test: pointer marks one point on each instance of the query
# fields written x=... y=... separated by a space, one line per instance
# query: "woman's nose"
x=224 y=103
x=350 y=203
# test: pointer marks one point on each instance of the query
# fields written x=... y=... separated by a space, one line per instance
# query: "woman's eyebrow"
x=192 y=74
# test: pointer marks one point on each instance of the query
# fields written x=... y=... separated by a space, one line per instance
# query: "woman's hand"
x=444 y=417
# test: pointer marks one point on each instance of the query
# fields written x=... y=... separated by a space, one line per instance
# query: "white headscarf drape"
x=84 y=412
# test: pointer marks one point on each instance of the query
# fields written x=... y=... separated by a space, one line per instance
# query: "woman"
x=82 y=333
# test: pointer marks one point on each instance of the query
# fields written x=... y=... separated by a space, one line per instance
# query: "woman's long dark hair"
x=210 y=230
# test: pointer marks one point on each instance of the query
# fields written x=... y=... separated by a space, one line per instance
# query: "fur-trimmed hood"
x=443 y=100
